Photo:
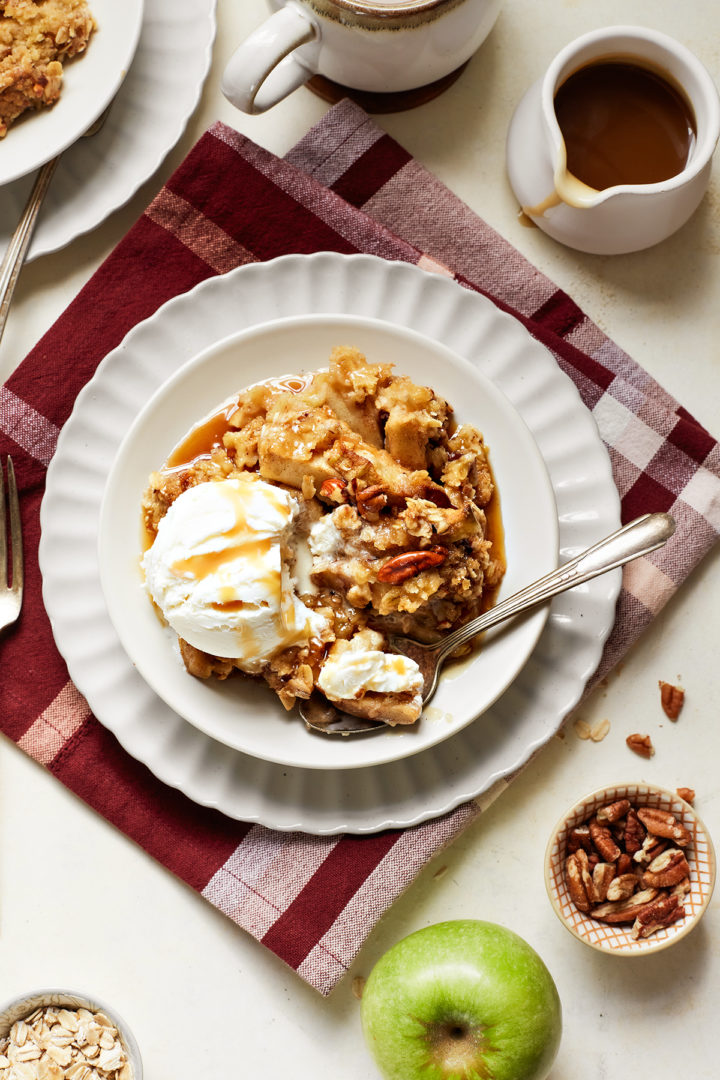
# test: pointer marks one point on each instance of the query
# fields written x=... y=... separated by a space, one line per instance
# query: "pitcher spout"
x=586 y=164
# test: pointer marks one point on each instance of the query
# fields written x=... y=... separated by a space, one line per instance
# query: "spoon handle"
x=639 y=537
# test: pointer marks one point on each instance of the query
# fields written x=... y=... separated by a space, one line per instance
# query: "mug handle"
x=262 y=71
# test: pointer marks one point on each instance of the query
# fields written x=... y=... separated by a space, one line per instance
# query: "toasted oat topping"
x=36 y=38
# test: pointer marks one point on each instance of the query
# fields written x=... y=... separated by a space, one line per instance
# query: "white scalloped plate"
x=97 y=175
x=237 y=711
x=399 y=793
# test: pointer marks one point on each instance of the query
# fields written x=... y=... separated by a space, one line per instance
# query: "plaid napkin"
x=345 y=187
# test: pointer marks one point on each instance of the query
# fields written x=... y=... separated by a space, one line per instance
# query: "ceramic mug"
x=381 y=46
x=625 y=217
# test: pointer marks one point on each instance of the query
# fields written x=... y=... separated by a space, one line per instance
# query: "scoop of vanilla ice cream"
x=217 y=573
x=356 y=666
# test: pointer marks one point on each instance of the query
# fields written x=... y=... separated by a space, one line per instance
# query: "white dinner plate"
x=90 y=81
x=240 y=712
x=399 y=793
x=98 y=175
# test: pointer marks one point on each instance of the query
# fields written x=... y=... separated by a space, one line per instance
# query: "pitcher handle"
x=263 y=70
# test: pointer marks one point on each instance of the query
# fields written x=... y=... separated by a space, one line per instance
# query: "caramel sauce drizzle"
x=201 y=440
x=199 y=444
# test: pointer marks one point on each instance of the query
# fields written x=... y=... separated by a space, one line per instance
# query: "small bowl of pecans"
x=630 y=869
x=64 y=1035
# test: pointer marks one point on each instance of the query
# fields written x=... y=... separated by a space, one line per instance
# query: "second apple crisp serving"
x=36 y=38
x=291 y=531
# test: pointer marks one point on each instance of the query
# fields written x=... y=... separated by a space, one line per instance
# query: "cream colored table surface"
x=81 y=906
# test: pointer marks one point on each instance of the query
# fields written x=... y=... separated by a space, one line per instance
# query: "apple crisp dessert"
x=36 y=38
x=289 y=533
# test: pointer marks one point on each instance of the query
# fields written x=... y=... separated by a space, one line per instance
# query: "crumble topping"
x=36 y=38
x=396 y=527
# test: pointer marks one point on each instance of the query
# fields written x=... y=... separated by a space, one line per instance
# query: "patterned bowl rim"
x=616 y=940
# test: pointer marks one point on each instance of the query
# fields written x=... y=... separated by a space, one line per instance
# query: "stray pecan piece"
x=686 y=793
x=641 y=744
x=672 y=699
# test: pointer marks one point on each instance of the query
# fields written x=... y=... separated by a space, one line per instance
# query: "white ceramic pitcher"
x=625 y=217
x=382 y=46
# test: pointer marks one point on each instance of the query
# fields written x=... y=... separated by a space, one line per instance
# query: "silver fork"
x=11 y=590
x=14 y=257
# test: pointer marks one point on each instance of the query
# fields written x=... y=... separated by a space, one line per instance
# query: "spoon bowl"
x=638 y=538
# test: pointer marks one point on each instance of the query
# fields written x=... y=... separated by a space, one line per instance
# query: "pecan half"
x=663 y=823
x=672 y=699
x=575 y=883
x=613 y=812
x=668 y=869
x=641 y=744
x=663 y=912
x=603 y=840
x=622 y=887
x=602 y=875
x=634 y=832
x=333 y=489
x=681 y=889
x=371 y=500
x=650 y=850
x=436 y=494
x=404 y=566
x=653 y=850
x=624 y=864
x=686 y=793
x=579 y=837
x=623 y=911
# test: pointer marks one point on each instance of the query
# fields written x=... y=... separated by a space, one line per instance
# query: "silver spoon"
x=640 y=537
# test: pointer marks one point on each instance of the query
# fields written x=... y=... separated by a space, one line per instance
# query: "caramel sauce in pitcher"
x=623 y=124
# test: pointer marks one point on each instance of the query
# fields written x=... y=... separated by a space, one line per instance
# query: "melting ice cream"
x=216 y=571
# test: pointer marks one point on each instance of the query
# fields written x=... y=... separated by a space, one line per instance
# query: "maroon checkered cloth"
x=346 y=187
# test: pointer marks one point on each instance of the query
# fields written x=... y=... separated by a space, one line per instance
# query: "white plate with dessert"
x=398 y=793
x=332 y=467
x=66 y=62
x=149 y=112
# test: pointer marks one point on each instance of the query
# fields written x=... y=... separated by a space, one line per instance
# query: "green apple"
x=462 y=1000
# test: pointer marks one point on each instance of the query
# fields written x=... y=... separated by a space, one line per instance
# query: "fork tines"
x=13 y=587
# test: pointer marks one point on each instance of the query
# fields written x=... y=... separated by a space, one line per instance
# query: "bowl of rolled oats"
x=630 y=868
x=63 y=1035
